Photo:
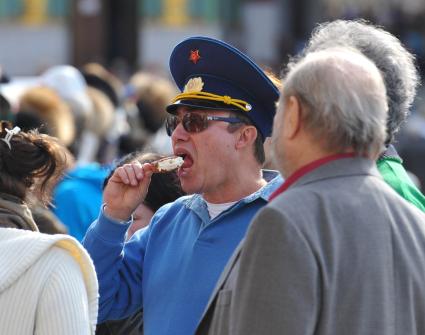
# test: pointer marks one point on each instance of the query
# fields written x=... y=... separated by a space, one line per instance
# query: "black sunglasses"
x=195 y=122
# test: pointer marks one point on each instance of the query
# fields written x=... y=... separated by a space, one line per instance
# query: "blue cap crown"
x=214 y=75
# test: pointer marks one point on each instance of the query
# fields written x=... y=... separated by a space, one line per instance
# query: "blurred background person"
x=268 y=162
x=77 y=197
x=69 y=84
x=105 y=127
x=99 y=128
x=401 y=80
x=411 y=144
x=150 y=94
x=42 y=108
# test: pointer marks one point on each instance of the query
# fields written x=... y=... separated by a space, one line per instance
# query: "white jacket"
x=48 y=285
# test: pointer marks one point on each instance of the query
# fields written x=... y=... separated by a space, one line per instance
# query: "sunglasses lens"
x=170 y=124
x=194 y=123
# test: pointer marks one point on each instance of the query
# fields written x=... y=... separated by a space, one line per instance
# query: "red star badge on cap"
x=194 y=56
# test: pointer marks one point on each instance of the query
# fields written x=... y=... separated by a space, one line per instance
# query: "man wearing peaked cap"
x=217 y=124
x=216 y=76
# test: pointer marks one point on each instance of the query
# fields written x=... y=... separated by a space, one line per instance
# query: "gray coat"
x=339 y=252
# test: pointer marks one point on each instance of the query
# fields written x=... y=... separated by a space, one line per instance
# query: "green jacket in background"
x=391 y=168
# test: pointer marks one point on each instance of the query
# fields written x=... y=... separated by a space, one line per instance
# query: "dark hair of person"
x=32 y=164
x=163 y=188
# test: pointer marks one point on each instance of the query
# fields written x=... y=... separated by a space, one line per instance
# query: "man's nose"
x=179 y=133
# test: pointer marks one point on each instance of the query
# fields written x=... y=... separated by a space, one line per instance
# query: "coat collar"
x=307 y=169
x=15 y=213
x=390 y=153
x=340 y=168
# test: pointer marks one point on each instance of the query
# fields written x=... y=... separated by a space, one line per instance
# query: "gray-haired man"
x=336 y=251
x=401 y=79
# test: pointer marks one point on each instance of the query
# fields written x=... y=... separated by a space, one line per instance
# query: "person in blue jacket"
x=217 y=124
x=77 y=197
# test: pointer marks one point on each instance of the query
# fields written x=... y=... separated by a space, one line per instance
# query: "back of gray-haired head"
x=343 y=98
x=385 y=50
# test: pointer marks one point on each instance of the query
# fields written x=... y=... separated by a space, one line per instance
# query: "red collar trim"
x=306 y=169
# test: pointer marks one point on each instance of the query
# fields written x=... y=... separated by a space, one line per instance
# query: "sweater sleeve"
x=119 y=267
x=63 y=306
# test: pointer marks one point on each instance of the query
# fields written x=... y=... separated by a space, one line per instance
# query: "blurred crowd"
x=101 y=117
x=99 y=121
x=98 y=118
x=76 y=150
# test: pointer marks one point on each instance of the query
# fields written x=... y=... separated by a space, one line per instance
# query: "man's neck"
x=240 y=187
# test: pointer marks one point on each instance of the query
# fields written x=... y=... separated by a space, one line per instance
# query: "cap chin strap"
x=241 y=104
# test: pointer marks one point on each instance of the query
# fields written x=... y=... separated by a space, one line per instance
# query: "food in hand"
x=167 y=164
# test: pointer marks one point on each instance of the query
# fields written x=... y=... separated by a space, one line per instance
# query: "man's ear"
x=246 y=136
x=292 y=117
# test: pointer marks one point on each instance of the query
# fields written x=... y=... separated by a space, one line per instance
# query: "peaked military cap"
x=213 y=75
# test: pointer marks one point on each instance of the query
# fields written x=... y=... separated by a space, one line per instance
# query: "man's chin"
x=188 y=187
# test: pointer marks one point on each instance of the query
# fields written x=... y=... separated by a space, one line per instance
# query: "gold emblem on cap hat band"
x=194 y=85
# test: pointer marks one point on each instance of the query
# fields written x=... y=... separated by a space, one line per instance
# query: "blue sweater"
x=171 y=267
